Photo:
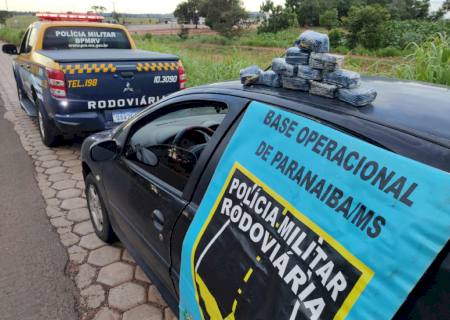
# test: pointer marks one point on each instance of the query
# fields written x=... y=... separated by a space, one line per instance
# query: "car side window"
x=23 y=44
x=168 y=145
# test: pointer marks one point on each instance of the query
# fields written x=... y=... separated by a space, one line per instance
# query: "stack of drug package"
x=331 y=81
x=308 y=66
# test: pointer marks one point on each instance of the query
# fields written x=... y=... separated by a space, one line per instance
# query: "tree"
x=276 y=18
x=409 y=9
x=329 y=19
x=446 y=5
x=365 y=25
x=343 y=6
x=98 y=9
x=224 y=16
x=4 y=15
x=308 y=11
x=188 y=12
x=440 y=13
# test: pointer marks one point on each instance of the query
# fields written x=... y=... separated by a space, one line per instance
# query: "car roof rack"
x=85 y=17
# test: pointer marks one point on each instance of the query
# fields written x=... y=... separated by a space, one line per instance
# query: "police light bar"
x=47 y=16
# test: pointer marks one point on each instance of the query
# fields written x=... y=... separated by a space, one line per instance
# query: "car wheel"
x=49 y=133
x=97 y=211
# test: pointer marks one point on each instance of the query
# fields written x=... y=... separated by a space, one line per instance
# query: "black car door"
x=145 y=184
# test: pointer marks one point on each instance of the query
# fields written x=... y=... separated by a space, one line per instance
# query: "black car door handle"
x=158 y=219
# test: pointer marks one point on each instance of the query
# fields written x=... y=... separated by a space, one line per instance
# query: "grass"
x=11 y=35
x=213 y=63
x=209 y=59
x=20 y=21
x=429 y=62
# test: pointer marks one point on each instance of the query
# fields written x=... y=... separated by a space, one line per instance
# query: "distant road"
x=168 y=29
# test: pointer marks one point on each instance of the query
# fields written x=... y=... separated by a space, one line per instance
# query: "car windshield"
x=61 y=38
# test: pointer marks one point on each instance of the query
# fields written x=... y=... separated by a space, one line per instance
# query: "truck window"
x=23 y=44
x=61 y=38
x=31 y=39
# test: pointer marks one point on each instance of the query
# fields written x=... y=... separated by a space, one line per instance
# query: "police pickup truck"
x=77 y=74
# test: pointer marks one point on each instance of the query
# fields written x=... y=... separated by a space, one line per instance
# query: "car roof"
x=416 y=108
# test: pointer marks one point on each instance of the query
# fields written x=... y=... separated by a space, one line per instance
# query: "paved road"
x=32 y=280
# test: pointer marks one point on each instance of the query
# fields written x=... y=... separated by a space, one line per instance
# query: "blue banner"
x=302 y=221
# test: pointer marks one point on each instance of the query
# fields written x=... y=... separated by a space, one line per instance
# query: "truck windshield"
x=60 y=38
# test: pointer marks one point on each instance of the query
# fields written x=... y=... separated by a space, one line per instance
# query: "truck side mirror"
x=9 y=49
x=104 y=150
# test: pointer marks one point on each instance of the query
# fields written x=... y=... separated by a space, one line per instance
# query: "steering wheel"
x=176 y=141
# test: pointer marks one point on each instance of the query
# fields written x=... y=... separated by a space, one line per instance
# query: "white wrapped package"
x=295 y=83
x=250 y=75
x=296 y=56
x=343 y=78
x=357 y=97
x=313 y=41
x=270 y=78
x=306 y=72
x=323 y=89
x=326 y=61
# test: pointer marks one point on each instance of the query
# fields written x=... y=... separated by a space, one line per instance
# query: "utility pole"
x=6 y=5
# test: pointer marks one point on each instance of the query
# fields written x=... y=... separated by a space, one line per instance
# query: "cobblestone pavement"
x=111 y=285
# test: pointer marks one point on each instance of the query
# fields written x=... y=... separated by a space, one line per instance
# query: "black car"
x=146 y=179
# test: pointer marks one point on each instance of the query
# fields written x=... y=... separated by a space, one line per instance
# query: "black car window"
x=62 y=38
x=169 y=145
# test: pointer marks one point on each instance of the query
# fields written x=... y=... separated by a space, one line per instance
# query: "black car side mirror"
x=9 y=49
x=104 y=150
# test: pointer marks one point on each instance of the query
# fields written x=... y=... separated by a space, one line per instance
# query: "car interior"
x=172 y=143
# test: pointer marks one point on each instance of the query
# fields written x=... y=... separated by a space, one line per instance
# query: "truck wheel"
x=49 y=133
x=97 y=211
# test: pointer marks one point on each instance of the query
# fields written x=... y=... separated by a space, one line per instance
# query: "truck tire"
x=49 y=133
x=97 y=211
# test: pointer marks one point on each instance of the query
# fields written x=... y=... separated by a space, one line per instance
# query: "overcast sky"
x=129 y=6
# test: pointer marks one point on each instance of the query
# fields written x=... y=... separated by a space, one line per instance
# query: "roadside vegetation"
x=393 y=38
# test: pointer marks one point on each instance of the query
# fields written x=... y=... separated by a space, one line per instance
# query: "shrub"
x=430 y=61
x=365 y=25
x=400 y=33
x=184 y=33
x=329 y=19
x=336 y=38
x=147 y=37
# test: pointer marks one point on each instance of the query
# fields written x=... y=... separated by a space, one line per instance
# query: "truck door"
x=24 y=63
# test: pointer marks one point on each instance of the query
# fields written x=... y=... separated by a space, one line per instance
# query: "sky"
x=127 y=6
